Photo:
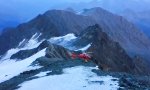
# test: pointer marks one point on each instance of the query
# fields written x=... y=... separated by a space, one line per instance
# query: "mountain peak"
x=122 y=31
x=58 y=12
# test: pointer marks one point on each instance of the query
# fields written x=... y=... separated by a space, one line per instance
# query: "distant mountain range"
x=59 y=22
x=46 y=44
x=141 y=19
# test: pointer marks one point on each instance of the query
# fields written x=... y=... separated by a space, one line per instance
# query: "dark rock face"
x=141 y=65
x=55 y=51
x=128 y=82
x=109 y=55
x=68 y=22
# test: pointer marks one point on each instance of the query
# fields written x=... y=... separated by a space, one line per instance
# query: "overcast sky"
x=13 y=12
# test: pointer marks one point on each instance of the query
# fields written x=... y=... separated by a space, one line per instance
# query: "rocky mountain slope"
x=108 y=54
x=140 y=18
x=41 y=50
x=59 y=22
x=44 y=62
x=52 y=23
x=122 y=31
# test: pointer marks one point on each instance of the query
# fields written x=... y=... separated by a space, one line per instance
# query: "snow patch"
x=66 y=41
x=32 y=43
x=42 y=74
x=63 y=40
x=10 y=68
x=84 y=48
x=21 y=42
x=75 y=78
x=79 y=13
x=9 y=54
x=67 y=37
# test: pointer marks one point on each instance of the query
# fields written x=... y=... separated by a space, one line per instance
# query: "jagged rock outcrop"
x=108 y=54
x=56 y=51
x=124 y=32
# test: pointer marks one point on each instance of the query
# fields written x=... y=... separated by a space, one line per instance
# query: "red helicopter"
x=84 y=56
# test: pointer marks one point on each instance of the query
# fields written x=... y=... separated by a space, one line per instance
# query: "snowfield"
x=75 y=78
x=10 y=68
x=66 y=41
x=67 y=37
x=30 y=44
x=63 y=40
